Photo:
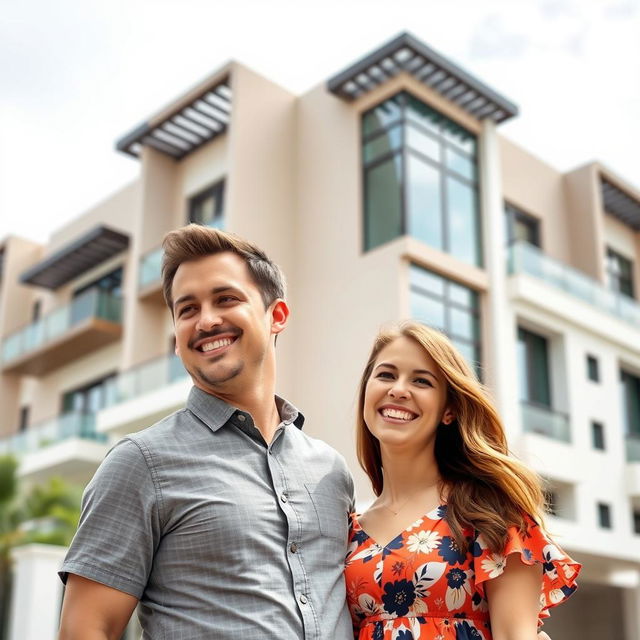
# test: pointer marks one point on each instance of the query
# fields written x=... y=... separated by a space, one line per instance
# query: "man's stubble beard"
x=235 y=371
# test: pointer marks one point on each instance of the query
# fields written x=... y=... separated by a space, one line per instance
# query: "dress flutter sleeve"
x=559 y=571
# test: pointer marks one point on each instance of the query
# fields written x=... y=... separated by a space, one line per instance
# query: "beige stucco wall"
x=537 y=189
x=585 y=220
x=16 y=302
x=117 y=211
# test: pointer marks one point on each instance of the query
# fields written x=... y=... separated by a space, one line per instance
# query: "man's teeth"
x=216 y=344
x=397 y=414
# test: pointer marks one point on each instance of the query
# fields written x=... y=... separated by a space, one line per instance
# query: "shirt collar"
x=215 y=413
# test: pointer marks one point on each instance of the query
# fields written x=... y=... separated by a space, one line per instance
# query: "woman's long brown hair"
x=487 y=489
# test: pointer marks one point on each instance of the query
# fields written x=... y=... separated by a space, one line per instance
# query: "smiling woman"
x=454 y=546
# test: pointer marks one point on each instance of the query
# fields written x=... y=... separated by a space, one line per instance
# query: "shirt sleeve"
x=559 y=571
x=119 y=528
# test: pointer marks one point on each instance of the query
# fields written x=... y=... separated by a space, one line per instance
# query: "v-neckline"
x=402 y=531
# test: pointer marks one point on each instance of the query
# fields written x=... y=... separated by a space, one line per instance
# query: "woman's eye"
x=424 y=381
x=385 y=374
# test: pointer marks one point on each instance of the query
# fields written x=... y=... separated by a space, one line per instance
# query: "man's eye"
x=227 y=299
x=184 y=310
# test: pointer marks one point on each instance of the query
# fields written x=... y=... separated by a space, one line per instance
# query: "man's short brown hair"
x=197 y=241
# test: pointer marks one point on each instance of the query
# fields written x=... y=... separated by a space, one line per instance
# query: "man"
x=223 y=520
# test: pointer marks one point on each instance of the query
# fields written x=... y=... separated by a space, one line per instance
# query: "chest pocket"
x=331 y=512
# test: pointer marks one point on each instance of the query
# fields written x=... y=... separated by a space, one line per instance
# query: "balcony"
x=527 y=259
x=88 y=322
x=67 y=445
x=150 y=276
x=545 y=421
x=632 y=446
x=143 y=395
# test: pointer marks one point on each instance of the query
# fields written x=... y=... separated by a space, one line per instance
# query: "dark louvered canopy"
x=185 y=128
x=84 y=253
x=620 y=204
x=407 y=53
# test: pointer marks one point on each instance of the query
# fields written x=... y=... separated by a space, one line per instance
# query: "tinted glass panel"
x=428 y=311
x=420 y=113
x=460 y=137
x=383 y=213
x=427 y=281
x=423 y=143
x=382 y=144
x=462 y=221
x=463 y=324
x=382 y=115
x=424 y=204
x=439 y=303
x=460 y=163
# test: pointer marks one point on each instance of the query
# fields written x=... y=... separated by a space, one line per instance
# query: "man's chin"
x=218 y=378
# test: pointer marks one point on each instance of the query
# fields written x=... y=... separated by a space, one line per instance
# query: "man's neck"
x=260 y=403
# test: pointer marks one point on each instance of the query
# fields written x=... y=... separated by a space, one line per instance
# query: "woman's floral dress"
x=421 y=585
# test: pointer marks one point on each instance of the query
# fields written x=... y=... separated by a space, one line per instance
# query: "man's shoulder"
x=168 y=427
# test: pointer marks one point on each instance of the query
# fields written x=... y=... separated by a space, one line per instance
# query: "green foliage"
x=8 y=483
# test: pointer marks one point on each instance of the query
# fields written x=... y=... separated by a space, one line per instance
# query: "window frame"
x=403 y=152
x=529 y=346
x=621 y=284
x=513 y=215
x=215 y=190
x=450 y=303
x=593 y=368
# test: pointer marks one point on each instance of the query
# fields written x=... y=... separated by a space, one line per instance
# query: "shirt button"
x=293 y=547
x=241 y=417
x=303 y=599
x=283 y=497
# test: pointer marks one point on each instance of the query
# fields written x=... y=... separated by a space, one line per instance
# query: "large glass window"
x=630 y=387
x=533 y=363
x=448 y=306
x=207 y=207
x=89 y=398
x=521 y=227
x=420 y=178
x=619 y=273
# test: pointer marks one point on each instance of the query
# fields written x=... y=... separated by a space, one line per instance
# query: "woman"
x=454 y=538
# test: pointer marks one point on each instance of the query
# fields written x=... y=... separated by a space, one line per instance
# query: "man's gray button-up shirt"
x=217 y=533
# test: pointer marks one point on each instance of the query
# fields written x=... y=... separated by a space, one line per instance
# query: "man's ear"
x=448 y=416
x=279 y=316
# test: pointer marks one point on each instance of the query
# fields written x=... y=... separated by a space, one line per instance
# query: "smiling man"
x=224 y=520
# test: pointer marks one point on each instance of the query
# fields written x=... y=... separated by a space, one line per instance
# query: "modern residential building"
x=385 y=192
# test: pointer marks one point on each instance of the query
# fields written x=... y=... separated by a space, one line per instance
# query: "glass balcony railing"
x=93 y=303
x=525 y=258
x=146 y=377
x=150 y=268
x=74 y=424
x=545 y=421
x=633 y=447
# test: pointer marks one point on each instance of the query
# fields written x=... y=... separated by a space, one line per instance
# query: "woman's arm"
x=514 y=601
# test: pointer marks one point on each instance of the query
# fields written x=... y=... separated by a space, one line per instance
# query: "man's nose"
x=209 y=317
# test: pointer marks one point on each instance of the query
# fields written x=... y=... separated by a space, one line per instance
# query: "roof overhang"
x=196 y=119
x=620 y=203
x=407 y=53
x=84 y=253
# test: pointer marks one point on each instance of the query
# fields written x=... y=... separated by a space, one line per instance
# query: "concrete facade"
x=293 y=183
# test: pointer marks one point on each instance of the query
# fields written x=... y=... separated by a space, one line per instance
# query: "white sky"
x=75 y=75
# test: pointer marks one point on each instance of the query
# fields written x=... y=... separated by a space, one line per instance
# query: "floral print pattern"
x=421 y=586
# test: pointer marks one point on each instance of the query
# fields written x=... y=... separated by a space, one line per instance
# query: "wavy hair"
x=487 y=488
